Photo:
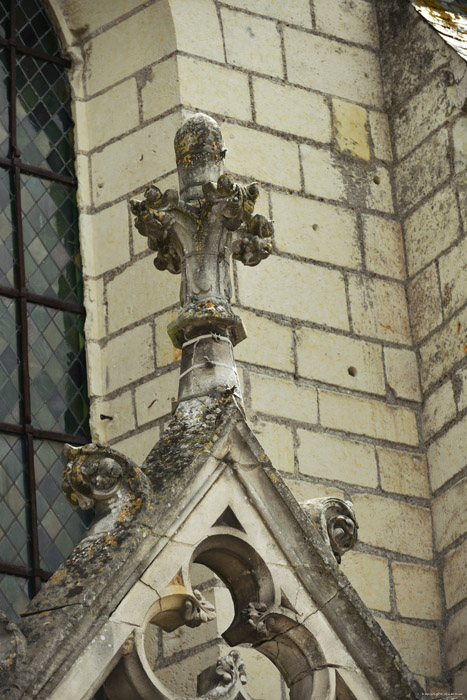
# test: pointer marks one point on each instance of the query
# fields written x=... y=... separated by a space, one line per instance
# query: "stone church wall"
x=426 y=93
x=351 y=154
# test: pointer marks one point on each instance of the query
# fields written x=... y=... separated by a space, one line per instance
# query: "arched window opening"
x=43 y=394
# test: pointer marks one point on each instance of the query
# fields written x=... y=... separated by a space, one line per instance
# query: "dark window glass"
x=43 y=393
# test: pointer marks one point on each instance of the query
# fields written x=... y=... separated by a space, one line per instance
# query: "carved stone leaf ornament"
x=197 y=233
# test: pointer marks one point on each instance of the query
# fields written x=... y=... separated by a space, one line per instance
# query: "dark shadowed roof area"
x=449 y=18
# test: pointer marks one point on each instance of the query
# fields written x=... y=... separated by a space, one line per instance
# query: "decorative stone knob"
x=196 y=233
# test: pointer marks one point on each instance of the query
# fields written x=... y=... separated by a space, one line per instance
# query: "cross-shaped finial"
x=197 y=232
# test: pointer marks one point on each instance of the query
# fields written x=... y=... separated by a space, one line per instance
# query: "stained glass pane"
x=50 y=234
x=57 y=371
x=14 y=595
x=4 y=103
x=61 y=525
x=44 y=124
x=14 y=543
x=33 y=27
x=9 y=361
x=7 y=235
x=4 y=19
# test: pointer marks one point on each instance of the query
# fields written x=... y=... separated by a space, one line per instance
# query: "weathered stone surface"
x=450 y=515
x=456 y=638
x=439 y=408
x=350 y=20
x=402 y=373
x=403 y=472
x=351 y=125
x=446 y=456
x=279 y=397
x=389 y=319
x=252 y=42
x=421 y=172
x=325 y=232
x=390 y=524
x=384 y=247
x=323 y=64
x=455 y=580
x=417 y=591
x=328 y=457
x=307 y=113
x=367 y=417
x=420 y=646
x=370 y=576
x=339 y=360
x=424 y=303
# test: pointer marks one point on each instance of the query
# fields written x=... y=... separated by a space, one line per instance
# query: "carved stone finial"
x=337 y=521
x=196 y=234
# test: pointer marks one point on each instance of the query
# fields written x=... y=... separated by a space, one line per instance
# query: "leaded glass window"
x=43 y=399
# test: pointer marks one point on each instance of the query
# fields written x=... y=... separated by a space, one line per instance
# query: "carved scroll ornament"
x=337 y=521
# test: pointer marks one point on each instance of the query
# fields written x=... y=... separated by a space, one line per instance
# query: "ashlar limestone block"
x=104 y=239
x=455 y=580
x=446 y=347
x=154 y=398
x=315 y=230
x=323 y=289
x=143 y=154
x=424 y=303
x=403 y=472
x=279 y=397
x=295 y=12
x=141 y=39
x=402 y=373
x=251 y=350
x=379 y=309
x=277 y=440
x=391 y=524
x=351 y=126
x=384 y=247
x=104 y=116
x=327 y=457
x=278 y=164
x=456 y=638
x=353 y=20
x=379 y=128
x=419 y=647
x=370 y=576
x=252 y=43
x=439 y=408
x=322 y=175
x=446 y=456
x=368 y=417
x=339 y=360
x=119 y=357
x=453 y=277
x=327 y=65
x=128 y=298
x=450 y=515
x=417 y=591
x=431 y=229
x=293 y=110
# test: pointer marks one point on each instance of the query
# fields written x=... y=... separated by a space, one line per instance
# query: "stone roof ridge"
x=218 y=501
